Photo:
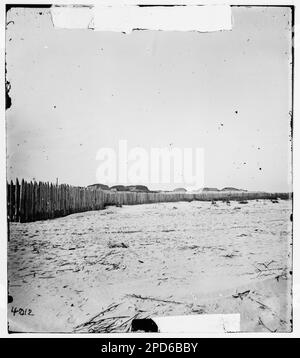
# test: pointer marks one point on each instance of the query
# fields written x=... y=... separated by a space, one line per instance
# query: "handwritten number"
x=22 y=311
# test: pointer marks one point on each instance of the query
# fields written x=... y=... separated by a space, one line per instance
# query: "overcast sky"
x=76 y=91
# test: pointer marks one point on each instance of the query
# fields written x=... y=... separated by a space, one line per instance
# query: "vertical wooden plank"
x=58 y=214
x=71 y=199
x=17 y=205
x=41 y=215
x=44 y=196
x=65 y=204
x=55 y=200
x=44 y=200
x=35 y=212
x=33 y=201
x=62 y=200
x=52 y=200
x=37 y=201
x=25 y=201
x=12 y=201
x=8 y=200
x=65 y=199
x=22 y=201
x=48 y=201
x=30 y=201
x=59 y=200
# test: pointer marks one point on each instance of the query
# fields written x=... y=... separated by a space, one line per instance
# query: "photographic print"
x=149 y=168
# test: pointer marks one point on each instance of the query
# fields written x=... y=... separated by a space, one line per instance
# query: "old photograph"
x=149 y=168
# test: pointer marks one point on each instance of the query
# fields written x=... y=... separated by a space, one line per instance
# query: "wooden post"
x=12 y=201
x=17 y=205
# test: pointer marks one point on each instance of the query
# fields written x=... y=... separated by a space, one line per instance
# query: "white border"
x=296 y=161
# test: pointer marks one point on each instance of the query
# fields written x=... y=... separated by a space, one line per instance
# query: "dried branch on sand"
x=100 y=324
x=113 y=244
x=260 y=322
x=241 y=295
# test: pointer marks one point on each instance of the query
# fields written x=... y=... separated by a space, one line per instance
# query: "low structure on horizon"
x=209 y=189
x=134 y=188
x=98 y=186
x=232 y=189
x=180 y=190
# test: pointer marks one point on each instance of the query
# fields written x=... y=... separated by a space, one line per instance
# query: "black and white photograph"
x=149 y=168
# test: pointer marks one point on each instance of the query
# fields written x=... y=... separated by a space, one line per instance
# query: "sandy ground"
x=153 y=259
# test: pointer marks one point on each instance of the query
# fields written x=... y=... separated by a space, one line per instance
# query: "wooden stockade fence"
x=31 y=201
x=38 y=201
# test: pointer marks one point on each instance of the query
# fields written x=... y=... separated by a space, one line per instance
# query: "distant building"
x=118 y=188
x=210 y=189
x=138 y=188
x=135 y=188
x=98 y=186
x=232 y=189
x=180 y=190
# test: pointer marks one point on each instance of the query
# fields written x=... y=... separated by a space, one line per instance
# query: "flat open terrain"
x=153 y=259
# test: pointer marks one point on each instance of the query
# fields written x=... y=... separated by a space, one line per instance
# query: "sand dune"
x=144 y=258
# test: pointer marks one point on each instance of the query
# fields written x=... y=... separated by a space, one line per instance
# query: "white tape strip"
x=126 y=18
x=72 y=17
x=205 y=323
x=188 y=18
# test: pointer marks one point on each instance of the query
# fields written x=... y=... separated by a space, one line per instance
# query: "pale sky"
x=76 y=91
